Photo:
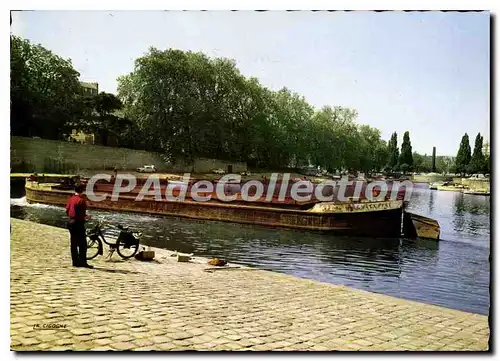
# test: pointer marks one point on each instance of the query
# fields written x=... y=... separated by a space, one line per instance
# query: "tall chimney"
x=434 y=159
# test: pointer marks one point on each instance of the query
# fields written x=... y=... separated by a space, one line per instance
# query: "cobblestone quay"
x=166 y=305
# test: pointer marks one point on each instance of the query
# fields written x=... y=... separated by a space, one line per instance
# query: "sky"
x=423 y=72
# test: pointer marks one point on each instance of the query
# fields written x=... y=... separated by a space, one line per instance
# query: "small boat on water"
x=357 y=218
x=435 y=185
x=450 y=188
x=447 y=186
x=477 y=192
x=419 y=226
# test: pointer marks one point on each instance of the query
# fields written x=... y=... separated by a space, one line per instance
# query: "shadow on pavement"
x=115 y=270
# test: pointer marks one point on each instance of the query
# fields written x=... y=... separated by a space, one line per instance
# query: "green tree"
x=333 y=138
x=372 y=149
x=291 y=112
x=393 y=152
x=102 y=117
x=419 y=163
x=406 y=153
x=487 y=165
x=45 y=91
x=189 y=105
x=108 y=122
x=260 y=144
x=186 y=105
x=404 y=168
x=427 y=165
x=477 y=160
x=381 y=155
x=444 y=164
x=463 y=156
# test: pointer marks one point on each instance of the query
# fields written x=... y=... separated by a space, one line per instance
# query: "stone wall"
x=206 y=165
x=52 y=156
x=42 y=155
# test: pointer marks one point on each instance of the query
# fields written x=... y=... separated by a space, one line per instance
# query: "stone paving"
x=166 y=305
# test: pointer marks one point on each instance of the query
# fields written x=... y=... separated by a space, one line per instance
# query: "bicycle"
x=126 y=245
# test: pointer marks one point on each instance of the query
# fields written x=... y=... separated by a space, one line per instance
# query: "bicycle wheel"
x=94 y=245
x=126 y=249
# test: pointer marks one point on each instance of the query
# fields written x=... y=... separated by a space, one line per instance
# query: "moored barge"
x=362 y=218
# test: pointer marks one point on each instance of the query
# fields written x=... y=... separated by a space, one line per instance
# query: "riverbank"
x=166 y=305
x=168 y=175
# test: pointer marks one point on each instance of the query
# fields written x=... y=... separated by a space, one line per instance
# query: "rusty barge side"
x=371 y=220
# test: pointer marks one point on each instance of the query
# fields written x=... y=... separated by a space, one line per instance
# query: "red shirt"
x=76 y=207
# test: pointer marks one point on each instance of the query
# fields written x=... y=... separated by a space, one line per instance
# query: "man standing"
x=76 y=209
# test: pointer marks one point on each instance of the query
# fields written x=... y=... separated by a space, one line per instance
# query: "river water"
x=454 y=272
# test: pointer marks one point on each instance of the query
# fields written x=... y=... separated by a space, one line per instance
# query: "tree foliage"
x=373 y=150
x=423 y=163
x=477 y=163
x=189 y=105
x=406 y=154
x=45 y=91
x=420 y=163
x=101 y=116
x=393 y=152
x=487 y=165
x=444 y=164
x=463 y=156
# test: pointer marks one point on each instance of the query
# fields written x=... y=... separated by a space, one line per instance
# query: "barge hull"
x=380 y=223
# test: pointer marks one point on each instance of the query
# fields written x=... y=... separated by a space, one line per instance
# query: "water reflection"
x=474 y=204
x=431 y=202
x=471 y=213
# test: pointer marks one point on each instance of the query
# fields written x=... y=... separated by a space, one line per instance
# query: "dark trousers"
x=78 y=243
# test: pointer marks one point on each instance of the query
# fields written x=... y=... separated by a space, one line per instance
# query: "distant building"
x=85 y=138
x=90 y=88
x=92 y=138
x=81 y=137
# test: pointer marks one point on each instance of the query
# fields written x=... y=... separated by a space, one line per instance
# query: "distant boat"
x=417 y=226
x=451 y=188
x=446 y=186
x=477 y=192
x=435 y=185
